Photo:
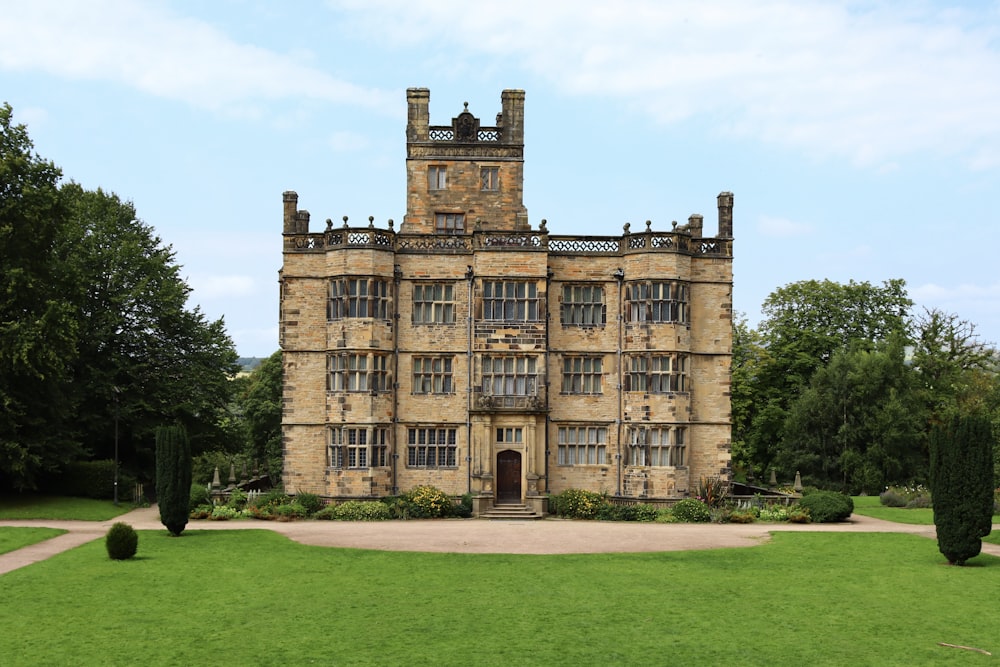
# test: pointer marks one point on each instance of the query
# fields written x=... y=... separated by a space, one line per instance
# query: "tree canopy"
x=94 y=327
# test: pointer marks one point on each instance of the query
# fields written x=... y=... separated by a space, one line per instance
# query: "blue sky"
x=861 y=140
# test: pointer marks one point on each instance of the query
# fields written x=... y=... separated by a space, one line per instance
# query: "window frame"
x=591 y=450
x=358 y=447
x=514 y=375
x=359 y=297
x=449 y=224
x=583 y=375
x=489 y=179
x=581 y=312
x=433 y=380
x=511 y=301
x=657 y=446
x=435 y=309
x=431 y=447
x=656 y=373
x=351 y=372
x=657 y=302
x=437 y=177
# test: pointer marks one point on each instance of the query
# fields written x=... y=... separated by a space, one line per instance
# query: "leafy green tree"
x=858 y=425
x=38 y=327
x=962 y=485
x=748 y=355
x=805 y=324
x=261 y=405
x=173 y=477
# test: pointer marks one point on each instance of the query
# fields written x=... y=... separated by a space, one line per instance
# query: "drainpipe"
x=397 y=276
x=470 y=374
x=620 y=277
x=548 y=387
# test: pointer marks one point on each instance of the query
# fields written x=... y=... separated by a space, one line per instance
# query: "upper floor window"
x=658 y=446
x=583 y=305
x=657 y=302
x=433 y=304
x=509 y=376
x=437 y=177
x=582 y=445
x=656 y=374
x=510 y=301
x=582 y=375
x=509 y=436
x=489 y=178
x=358 y=297
x=449 y=223
x=432 y=375
x=358 y=372
x=431 y=448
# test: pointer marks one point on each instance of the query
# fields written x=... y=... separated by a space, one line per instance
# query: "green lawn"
x=871 y=506
x=257 y=598
x=30 y=506
x=15 y=538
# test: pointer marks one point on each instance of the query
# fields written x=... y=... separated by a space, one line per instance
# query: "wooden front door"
x=508 y=477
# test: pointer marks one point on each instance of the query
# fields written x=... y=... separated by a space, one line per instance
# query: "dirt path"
x=549 y=536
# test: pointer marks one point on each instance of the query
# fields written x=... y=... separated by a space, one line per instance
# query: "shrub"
x=427 y=502
x=645 y=513
x=310 y=501
x=691 y=510
x=920 y=502
x=962 y=484
x=356 y=510
x=799 y=514
x=90 y=479
x=773 y=513
x=199 y=496
x=224 y=513
x=827 y=506
x=665 y=515
x=121 y=541
x=173 y=477
x=713 y=491
x=201 y=512
x=891 y=498
x=577 y=504
x=464 y=508
x=238 y=499
x=742 y=516
x=290 y=512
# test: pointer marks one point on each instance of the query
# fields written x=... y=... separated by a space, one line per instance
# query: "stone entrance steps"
x=509 y=512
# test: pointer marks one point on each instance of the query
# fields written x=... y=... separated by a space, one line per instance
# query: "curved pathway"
x=549 y=536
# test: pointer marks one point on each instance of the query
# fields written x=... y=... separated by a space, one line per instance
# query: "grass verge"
x=30 y=506
x=872 y=506
x=254 y=597
x=12 y=538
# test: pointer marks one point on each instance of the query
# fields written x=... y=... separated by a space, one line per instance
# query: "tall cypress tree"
x=173 y=477
x=962 y=486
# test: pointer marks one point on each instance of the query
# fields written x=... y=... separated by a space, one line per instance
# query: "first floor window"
x=432 y=375
x=509 y=376
x=358 y=297
x=510 y=435
x=582 y=375
x=359 y=447
x=658 y=446
x=510 y=301
x=431 y=447
x=358 y=372
x=582 y=445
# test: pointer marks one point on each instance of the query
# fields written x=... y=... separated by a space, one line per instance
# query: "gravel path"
x=548 y=536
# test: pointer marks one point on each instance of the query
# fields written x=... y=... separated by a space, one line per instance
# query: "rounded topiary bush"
x=691 y=510
x=312 y=502
x=121 y=541
x=827 y=506
x=577 y=504
x=428 y=502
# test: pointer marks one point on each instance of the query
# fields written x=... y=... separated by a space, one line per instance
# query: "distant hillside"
x=247 y=364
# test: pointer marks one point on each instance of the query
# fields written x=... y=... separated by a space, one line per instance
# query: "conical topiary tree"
x=173 y=477
x=962 y=486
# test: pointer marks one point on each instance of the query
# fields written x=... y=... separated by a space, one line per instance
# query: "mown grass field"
x=15 y=538
x=31 y=506
x=256 y=598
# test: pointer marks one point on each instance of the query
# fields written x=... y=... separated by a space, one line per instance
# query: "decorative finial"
x=625 y=228
x=371 y=222
x=466 y=106
x=649 y=225
x=542 y=226
x=345 y=222
x=390 y=224
x=329 y=224
x=674 y=224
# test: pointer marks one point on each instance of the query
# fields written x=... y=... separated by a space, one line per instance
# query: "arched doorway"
x=508 y=477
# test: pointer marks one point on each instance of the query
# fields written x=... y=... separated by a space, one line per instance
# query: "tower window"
x=449 y=223
x=489 y=178
x=437 y=178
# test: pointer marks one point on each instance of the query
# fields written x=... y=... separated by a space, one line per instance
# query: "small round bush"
x=922 y=501
x=121 y=541
x=691 y=510
x=290 y=512
x=428 y=502
x=827 y=506
x=199 y=496
x=890 y=498
x=645 y=513
x=577 y=504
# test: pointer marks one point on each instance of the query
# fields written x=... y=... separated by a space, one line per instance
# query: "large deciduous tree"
x=262 y=412
x=94 y=328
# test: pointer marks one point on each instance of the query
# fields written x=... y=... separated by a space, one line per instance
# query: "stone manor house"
x=477 y=352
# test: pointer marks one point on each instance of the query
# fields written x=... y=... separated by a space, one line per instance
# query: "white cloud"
x=781 y=227
x=864 y=83
x=145 y=46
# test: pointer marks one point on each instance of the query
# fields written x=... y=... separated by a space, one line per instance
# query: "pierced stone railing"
x=447 y=133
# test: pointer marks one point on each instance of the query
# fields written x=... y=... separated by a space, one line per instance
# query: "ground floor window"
x=359 y=447
x=582 y=445
x=431 y=447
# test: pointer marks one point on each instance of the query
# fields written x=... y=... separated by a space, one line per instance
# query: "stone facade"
x=473 y=352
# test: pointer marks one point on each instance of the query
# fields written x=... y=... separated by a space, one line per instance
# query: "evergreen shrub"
x=691 y=510
x=427 y=502
x=355 y=510
x=827 y=506
x=891 y=498
x=121 y=541
x=312 y=502
x=577 y=504
x=173 y=477
x=199 y=496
